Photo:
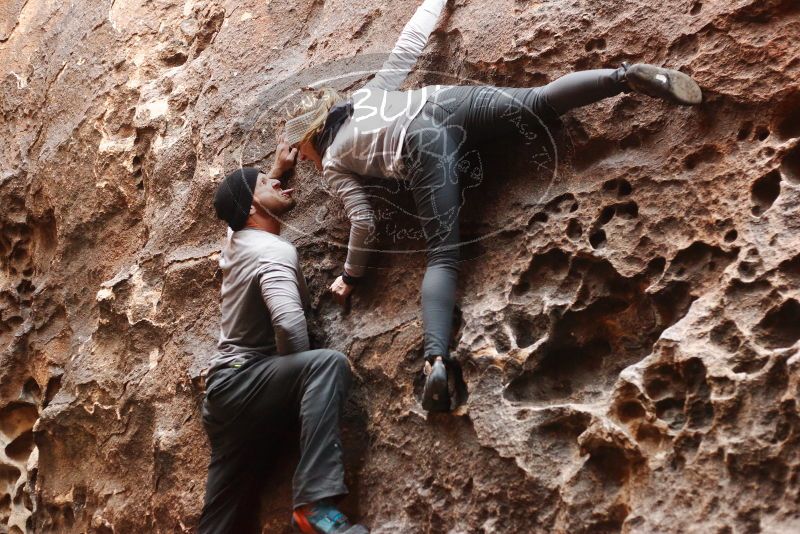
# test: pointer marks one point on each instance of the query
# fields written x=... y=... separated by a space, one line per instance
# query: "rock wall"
x=629 y=313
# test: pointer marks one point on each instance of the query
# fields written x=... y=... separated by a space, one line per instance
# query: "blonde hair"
x=308 y=117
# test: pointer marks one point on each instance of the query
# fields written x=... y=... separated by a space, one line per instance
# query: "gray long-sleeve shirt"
x=370 y=142
x=264 y=296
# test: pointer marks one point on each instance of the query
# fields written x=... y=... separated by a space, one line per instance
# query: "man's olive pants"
x=242 y=410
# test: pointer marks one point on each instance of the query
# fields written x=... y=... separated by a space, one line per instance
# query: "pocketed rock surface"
x=629 y=311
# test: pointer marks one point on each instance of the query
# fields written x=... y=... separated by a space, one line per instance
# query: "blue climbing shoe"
x=323 y=518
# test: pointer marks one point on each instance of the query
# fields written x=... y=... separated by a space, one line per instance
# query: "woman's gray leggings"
x=453 y=120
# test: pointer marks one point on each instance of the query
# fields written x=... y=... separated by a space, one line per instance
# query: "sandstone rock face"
x=629 y=310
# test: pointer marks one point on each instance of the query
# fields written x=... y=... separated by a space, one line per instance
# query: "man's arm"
x=409 y=46
x=281 y=291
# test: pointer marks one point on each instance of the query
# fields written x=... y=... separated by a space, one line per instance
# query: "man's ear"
x=253 y=208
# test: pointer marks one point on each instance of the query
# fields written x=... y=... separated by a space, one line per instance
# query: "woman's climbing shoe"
x=435 y=395
x=323 y=518
x=663 y=83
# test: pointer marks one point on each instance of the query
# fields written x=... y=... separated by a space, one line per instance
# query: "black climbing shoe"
x=435 y=395
x=663 y=83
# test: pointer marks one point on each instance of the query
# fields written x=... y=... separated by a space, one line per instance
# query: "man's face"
x=306 y=151
x=270 y=197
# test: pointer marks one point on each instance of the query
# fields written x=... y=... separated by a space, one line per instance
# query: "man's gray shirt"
x=264 y=296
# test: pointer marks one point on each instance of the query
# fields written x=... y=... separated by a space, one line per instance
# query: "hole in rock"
x=647 y=433
x=610 y=463
x=655 y=267
x=727 y=336
x=606 y=215
x=612 y=323
x=699 y=260
x=9 y=474
x=540 y=217
x=790 y=166
x=696 y=8
x=595 y=44
x=20 y=252
x=789 y=125
x=673 y=301
x=17 y=418
x=501 y=340
x=20 y=449
x=543 y=271
x=687 y=444
x=574 y=230
x=630 y=410
x=790 y=267
x=730 y=236
x=700 y=411
x=628 y=210
x=746 y=269
x=613 y=520
x=681 y=393
x=527 y=330
x=562 y=204
x=619 y=185
x=633 y=140
x=53 y=387
x=671 y=411
x=175 y=59
x=706 y=154
x=744 y=131
x=558 y=438
x=31 y=390
x=598 y=239
x=762 y=132
x=780 y=327
x=765 y=191
x=25 y=288
x=748 y=362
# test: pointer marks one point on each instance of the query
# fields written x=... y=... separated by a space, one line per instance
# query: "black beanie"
x=235 y=195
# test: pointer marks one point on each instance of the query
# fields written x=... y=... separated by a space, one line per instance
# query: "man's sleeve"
x=362 y=219
x=282 y=294
x=409 y=46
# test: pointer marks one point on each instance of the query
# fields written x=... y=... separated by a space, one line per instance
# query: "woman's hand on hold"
x=285 y=157
x=341 y=290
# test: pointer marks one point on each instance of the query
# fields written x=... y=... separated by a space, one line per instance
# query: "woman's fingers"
x=340 y=291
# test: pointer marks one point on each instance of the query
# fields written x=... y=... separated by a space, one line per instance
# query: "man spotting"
x=263 y=376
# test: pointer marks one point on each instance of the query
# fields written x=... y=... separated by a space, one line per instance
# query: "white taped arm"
x=409 y=46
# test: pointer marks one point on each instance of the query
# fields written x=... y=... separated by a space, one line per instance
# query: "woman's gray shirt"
x=370 y=142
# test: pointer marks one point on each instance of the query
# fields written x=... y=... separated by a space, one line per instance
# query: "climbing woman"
x=419 y=136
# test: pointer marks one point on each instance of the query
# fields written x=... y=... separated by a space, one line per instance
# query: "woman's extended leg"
x=487 y=112
x=432 y=153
